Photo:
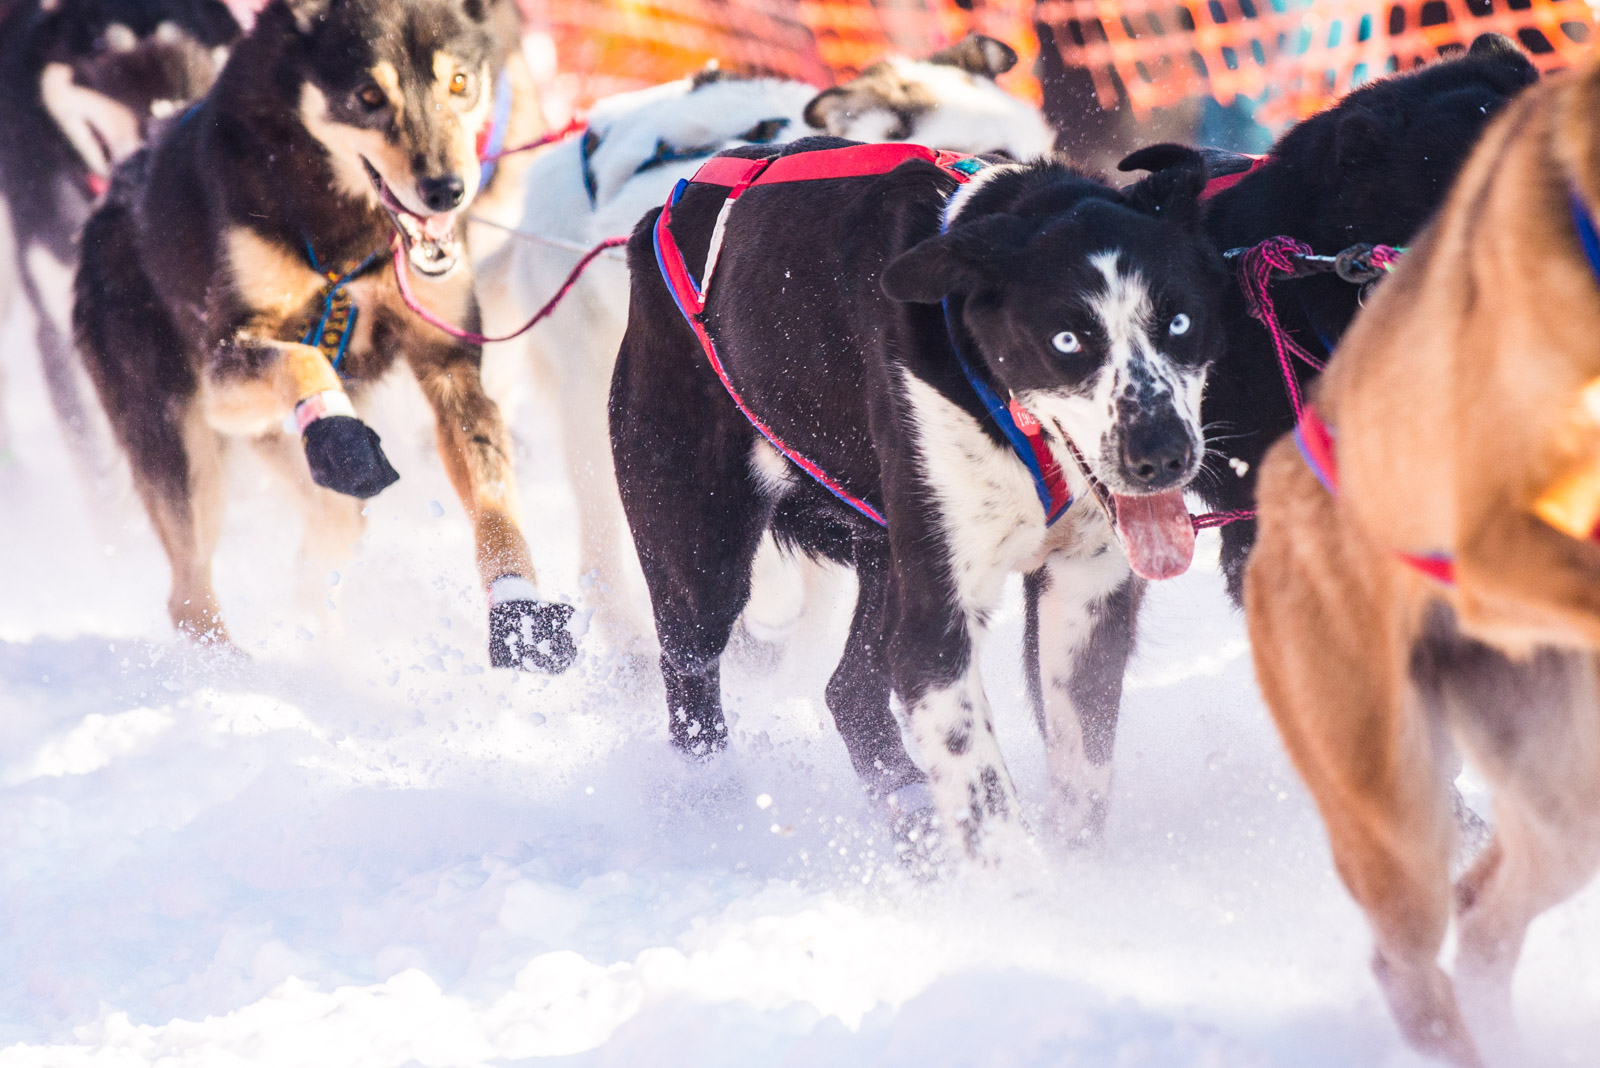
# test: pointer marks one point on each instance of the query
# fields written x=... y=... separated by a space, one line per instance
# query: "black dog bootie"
x=527 y=632
x=345 y=456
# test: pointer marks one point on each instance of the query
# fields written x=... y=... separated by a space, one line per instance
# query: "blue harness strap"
x=1048 y=481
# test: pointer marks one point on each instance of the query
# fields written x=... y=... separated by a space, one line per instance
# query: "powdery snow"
x=362 y=848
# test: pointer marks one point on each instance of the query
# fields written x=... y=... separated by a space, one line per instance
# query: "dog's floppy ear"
x=961 y=259
x=1172 y=193
x=307 y=12
x=977 y=54
x=831 y=109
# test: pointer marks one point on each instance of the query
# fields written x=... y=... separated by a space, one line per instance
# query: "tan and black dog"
x=239 y=277
x=1404 y=598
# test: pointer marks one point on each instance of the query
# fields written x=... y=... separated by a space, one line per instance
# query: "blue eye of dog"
x=1179 y=324
x=1067 y=342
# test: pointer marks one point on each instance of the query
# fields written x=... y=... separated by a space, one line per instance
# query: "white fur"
x=955 y=778
x=773 y=473
x=974 y=115
x=964 y=193
x=1089 y=416
x=993 y=525
x=987 y=504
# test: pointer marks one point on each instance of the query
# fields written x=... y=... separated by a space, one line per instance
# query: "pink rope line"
x=547 y=139
x=403 y=279
x=1255 y=279
x=1207 y=520
x=1384 y=257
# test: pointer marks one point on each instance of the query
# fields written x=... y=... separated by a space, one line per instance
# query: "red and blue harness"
x=736 y=175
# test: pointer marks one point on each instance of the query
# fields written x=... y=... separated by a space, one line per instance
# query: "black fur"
x=1372 y=169
x=819 y=349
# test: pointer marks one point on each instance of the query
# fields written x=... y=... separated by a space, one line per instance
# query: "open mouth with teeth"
x=1154 y=528
x=430 y=240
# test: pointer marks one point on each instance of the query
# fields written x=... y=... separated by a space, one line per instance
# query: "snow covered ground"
x=361 y=848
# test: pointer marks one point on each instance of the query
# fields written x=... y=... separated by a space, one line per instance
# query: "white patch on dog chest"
x=987 y=504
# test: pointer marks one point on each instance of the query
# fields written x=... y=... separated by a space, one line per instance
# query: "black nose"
x=443 y=193
x=1156 y=453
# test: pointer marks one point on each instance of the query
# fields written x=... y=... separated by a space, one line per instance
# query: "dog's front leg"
x=476 y=450
x=933 y=656
x=1081 y=613
x=253 y=384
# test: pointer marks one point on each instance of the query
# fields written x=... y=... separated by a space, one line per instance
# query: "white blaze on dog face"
x=1136 y=384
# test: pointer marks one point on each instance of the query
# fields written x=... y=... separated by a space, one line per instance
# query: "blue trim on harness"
x=499 y=127
x=661 y=264
x=1583 y=222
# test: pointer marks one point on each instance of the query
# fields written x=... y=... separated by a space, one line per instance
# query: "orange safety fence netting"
x=1292 y=55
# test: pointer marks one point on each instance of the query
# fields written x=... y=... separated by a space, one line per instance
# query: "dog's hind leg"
x=858 y=697
x=333 y=521
x=1082 y=612
x=683 y=462
x=1334 y=669
x=148 y=388
x=1531 y=725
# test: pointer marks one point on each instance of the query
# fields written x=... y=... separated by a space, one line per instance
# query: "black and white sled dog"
x=1373 y=169
x=82 y=82
x=879 y=325
x=237 y=287
x=635 y=148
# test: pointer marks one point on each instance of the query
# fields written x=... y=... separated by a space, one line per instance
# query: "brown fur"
x=1449 y=400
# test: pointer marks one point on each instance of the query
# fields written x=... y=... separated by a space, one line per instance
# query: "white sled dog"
x=635 y=148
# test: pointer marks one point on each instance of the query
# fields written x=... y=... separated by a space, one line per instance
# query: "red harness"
x=1315 y=442
x=738 y=175
x=1228 y=181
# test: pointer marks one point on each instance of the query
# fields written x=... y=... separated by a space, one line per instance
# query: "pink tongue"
x=1156 y=533
x=440 y=227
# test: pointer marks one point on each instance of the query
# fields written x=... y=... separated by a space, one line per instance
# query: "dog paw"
x=914 y=822
x=346 y=457
x=527 y=632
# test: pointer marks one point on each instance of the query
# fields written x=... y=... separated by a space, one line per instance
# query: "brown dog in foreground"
x=1453 y=406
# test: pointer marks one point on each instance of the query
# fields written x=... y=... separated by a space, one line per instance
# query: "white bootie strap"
x=511 y=588
x=319 y=405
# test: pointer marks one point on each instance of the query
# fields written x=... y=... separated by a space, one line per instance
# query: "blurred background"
x=1230 y=73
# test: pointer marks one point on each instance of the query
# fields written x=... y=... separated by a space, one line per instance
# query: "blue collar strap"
x=332 y=331
x=1030 y=448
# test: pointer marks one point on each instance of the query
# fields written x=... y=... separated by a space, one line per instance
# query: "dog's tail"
x=131 y=348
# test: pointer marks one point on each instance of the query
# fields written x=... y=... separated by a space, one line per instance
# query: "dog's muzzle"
x=432 y=246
